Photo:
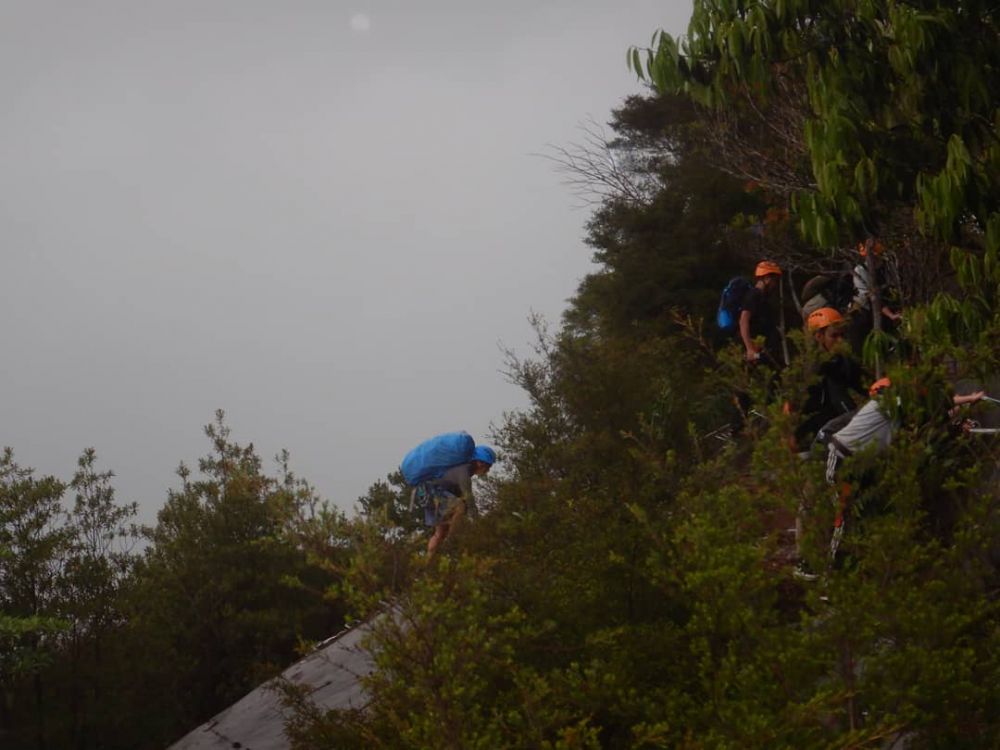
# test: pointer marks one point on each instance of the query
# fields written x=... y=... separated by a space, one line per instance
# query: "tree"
x=34 y=548
x=677 y=245
x=901 y=100
x=98 y=568
x=225 y=593
x=448 y=676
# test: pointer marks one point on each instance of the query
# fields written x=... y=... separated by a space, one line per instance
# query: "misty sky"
x=319 y=216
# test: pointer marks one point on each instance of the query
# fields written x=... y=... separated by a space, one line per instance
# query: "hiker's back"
x=731 y=304
x=434 y=457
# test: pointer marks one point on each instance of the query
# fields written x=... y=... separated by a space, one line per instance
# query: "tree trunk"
x=97 y=710
x=74 y=692
x=39 y=712
x=875 y=300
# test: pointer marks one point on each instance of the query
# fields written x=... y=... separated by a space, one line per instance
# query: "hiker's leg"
x=439 y=535
x=441 y=532
x=741 y=409
x=832 y=463
x=840 y=520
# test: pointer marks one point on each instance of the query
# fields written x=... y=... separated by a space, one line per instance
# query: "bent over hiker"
x=874 y=424
x=440 y=470
x=448 y=499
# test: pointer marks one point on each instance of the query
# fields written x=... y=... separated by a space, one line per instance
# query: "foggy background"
x=321 y=217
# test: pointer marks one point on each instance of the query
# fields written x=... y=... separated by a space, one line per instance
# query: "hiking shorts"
x=441 y=508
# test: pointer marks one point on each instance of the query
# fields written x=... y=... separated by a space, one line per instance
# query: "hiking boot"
x=803 y=572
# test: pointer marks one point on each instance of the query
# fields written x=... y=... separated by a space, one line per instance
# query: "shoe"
x=803 y=572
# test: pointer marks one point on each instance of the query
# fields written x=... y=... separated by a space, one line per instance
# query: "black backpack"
x=837 y=289
x=728 y=316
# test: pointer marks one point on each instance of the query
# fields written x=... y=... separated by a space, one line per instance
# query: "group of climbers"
x=837 y=315
x=746 y=311
x=838 y=414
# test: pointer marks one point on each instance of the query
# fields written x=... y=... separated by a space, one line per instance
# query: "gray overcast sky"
x=319 y=216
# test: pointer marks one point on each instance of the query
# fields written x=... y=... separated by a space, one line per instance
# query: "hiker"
x=829 y=398
x=440 y=470
x=448 y=498
x=873 y=425
x=860 y=310
x=745 y=312
x=839 y=376
x=756 y=318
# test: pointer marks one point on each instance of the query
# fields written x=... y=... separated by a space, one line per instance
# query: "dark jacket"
x=838 y=378
x=762 y=321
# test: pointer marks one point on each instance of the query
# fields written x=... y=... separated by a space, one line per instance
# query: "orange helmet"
x=766 y=268
x=875 y=245
x=823 y=317
x=878 y=385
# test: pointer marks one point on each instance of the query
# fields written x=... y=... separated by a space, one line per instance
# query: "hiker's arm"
x=969 y=398
x=891 y=314
x=465 y=485
x=751 y=348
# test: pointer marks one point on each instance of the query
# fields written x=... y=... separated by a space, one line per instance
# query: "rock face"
x=257 y=721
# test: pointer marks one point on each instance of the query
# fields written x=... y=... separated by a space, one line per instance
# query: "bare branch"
x=599 y=169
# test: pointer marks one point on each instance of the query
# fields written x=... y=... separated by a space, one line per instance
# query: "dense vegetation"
x=117 y=636
x=628 y=582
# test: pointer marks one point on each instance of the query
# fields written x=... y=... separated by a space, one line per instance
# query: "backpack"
x=728 y=316
x=834 y=290
x=434 y=457
x=815 y=286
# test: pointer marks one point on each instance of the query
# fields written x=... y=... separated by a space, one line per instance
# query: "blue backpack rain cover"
x=728 y=316
x=434 y=457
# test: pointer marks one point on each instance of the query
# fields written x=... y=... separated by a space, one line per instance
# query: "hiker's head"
x=827 y=327
x=482 y=459
x=871 y=244
x=767 y=275
x=878 y=386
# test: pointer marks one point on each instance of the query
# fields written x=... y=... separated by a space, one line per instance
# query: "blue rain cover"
x=434 y=457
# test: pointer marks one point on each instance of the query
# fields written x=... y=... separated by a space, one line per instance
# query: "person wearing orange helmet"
x=756 y=317
x=826 y=325
x=839 y=376
x=829 y=398
x=873 y=426
x=861 y=320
